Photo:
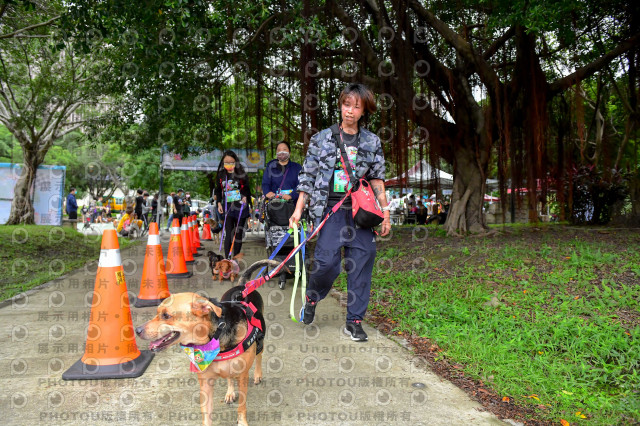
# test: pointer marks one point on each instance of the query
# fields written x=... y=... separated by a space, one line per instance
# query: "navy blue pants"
x=359 y=256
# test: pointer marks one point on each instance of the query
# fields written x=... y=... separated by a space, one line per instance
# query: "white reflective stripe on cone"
x=175 y=231
x=154 y=240
x=184 y=228
x=109 y=258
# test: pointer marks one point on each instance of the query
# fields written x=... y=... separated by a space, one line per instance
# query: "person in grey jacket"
x=324 y=183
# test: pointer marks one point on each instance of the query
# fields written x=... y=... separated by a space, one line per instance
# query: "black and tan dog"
x=215 y=228
x=190 y=319
x=213 y=259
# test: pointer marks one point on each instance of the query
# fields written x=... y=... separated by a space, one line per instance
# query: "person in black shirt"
x=154 y=208
x=178 y=204
x=232 y=191
x=139 y=202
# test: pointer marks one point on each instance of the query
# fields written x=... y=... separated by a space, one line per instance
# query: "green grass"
x=565 y=337
x=32 y=255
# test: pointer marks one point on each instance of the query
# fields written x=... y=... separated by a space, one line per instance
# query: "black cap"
x=180 y=190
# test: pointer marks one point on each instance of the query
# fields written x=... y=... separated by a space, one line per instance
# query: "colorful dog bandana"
x=202 y=355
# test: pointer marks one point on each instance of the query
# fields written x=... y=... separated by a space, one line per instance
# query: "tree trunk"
x=22 y=206
x=465 y=212
x=634 y=194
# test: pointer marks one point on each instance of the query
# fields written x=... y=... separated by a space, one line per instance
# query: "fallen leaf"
x=534 y=396
x=580 y=415
x=564 y=422
x=576 y=298
x=486 y=392
x=567 y=257
x=505 y=399
x=627 y=333
x=567 y=392
x=540 y=352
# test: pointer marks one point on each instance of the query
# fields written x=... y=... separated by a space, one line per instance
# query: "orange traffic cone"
x=176 y=264
x=206 y=230
x=196 y=233
x=192 y=233
x=153 y=287
x=186 y=242
x=110 y=350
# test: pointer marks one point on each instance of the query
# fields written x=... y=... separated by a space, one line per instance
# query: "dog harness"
x=254 y=335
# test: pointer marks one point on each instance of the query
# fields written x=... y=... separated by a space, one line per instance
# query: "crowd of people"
x=421 y=210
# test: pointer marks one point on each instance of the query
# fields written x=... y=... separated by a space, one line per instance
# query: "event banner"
x=252 y=160
x=47 y=193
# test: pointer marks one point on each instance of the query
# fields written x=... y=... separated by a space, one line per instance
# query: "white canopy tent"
x=412 y=177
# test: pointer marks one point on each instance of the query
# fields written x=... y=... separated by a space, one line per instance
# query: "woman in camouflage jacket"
x=324 y=183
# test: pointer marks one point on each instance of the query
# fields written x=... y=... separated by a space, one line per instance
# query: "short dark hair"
x=286 y=143
x=72 y=189
x=139 y=191
x=365 y=94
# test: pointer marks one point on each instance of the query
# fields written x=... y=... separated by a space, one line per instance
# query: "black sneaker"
x=308 y=311
x=354 y=329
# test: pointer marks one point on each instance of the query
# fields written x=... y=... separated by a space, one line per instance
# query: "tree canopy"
x=471 y=83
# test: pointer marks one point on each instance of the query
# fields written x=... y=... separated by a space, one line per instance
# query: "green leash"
x=300 y=270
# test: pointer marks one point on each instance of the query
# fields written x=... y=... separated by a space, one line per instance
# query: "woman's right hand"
x=295 y=217
x=220 y=210
x=270 y=194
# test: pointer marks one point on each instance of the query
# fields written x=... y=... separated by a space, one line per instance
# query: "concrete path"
x=314 y=375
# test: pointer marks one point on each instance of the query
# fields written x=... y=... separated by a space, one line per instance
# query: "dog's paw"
x=230 y=397
x=257 y=379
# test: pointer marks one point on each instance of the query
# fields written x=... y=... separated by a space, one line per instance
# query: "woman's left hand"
x=244 y=200
x=286 y=196
x=385 y=227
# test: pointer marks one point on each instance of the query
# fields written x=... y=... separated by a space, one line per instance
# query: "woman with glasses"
x=233 y=195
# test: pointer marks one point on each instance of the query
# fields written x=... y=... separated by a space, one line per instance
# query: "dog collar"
x=202 y=356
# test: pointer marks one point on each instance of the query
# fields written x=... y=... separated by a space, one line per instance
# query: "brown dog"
x=227 y=268
x=190 y=319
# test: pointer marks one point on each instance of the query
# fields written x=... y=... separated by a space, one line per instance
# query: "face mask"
x=229 y=168
x=283 y=156
x=202 y=356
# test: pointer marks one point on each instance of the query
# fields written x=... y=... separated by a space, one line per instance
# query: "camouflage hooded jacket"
x=321 y=159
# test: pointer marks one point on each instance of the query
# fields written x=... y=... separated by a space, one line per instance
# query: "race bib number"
x=286 y=191
x=233 y=195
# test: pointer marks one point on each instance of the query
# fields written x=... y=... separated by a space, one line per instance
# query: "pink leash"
x=258 y=282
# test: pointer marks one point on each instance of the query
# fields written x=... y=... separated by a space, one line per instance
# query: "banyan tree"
x=477 y=85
